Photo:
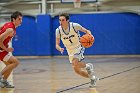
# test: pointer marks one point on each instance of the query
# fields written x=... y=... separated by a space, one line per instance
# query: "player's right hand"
x=9 y=49
x=61 y=50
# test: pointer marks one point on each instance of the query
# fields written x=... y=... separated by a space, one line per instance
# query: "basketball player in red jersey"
x=7 y=32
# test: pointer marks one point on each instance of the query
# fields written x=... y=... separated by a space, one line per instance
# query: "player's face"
x=18 y=21
x=63 y=22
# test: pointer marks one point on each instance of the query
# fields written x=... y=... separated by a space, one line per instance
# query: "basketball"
x=87 y=40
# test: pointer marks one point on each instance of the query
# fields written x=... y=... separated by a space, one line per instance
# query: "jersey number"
x=70 y=41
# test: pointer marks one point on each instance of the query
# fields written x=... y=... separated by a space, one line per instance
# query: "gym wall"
x=115 y=33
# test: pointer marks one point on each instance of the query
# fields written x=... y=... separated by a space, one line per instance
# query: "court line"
x=99 y=79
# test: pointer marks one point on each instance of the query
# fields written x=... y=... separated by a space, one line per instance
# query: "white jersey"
x=72 y=37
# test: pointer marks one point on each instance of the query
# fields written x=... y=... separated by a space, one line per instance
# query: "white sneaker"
x=93 y=81
x=5 y=84
x=89 y=68
x=92 y=77
x=1 y=80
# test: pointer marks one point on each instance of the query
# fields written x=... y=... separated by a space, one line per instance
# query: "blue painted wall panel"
x=44 y=35
x=115 y=33
x=25 y=41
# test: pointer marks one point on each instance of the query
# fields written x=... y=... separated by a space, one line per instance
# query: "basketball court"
x=115 y=53
x=55 y=75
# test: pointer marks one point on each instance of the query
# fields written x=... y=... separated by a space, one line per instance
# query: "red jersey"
x=8 y=39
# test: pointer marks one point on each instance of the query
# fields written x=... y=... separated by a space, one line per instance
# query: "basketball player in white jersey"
x=68 y=32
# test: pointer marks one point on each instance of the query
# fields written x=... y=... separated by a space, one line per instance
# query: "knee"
x=75 y=62
x=16 y=63
x=76 y=69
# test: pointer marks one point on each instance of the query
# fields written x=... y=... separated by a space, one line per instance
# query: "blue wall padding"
x=33 y=37
x=25 y=41
x=43 y=37
x=115 y=33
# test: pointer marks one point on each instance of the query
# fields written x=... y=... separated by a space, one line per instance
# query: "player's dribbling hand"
x=9 y=49
x=61 y=50
x=89 y=32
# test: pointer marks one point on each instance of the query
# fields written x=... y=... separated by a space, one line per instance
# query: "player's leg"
x=1 y=67
x=5 y=74
x=75 y=55
x=88 y=74
x=77 y=67
x=10 y=78
x=91 y=73
x=10 y=65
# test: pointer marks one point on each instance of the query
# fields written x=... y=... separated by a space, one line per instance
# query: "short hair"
x=66 y=15
x=15 y=15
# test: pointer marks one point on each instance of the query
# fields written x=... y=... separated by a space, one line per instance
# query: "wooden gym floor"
x=55 y=75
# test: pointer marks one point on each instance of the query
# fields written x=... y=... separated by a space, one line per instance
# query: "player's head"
x=63 y=19
x=16 y=18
